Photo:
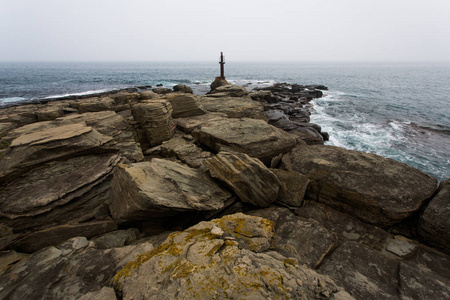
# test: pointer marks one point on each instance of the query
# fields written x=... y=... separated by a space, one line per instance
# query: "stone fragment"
x=185 y=105
x=377 y=190
x=434 y=224
x=401 y=246
x=253 y=137
x=161 y=188
x=184 y=149
x=293 y=187
x=197 y=264
x=249 y=178
x=235 y=107
x=155 y=119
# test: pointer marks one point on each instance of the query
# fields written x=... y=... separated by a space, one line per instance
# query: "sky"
x=245 y=30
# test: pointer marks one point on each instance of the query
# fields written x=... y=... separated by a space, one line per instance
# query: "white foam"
x=3 y=101
x=78 y=94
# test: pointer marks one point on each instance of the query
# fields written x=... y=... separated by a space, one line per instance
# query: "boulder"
x=67 y=271
x=219 y=81
x=57 y=192
x=155 y=119
x=309 y=135
x=161 y=188
x=149 y=95
x=184 y=105
x=235 y=107
x=231 y=90
x=184 y=149
x=377 y=190
x=293 y=187
x=161 y=90
x=182 y=88
x=434 y=223
x=221 y=259
x=306 y=240
x=250 y=136
x=248 y=177
x=363 y=272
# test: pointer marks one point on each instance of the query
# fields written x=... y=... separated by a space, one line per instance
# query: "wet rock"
x=293 y=187
x=185 y=105
x=304 y=239
x=155 y=119
x=253 y=137
x=235 y=107
x=248 y=177
x=161 y=188
x=434 y=224
x=363 y=272
x=230 y=249
x=375 y=189
x=182 y=88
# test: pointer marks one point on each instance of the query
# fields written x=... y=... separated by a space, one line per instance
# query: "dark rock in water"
x=434 y=224
x=375 y=189
x=249 y=178
x=159 y=189
x=182 y=88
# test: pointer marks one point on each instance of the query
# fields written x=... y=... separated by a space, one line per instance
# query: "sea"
x=396 y=110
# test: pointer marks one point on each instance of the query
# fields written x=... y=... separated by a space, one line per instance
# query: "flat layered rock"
x=184 y=149
x=42 y=142
x=161 y=188
x=231 y=90
x=185 y=105
x=222 y=259
x=434 y=224
x=55 y=190
x=235 y=107
x=189 y=124
x=248 y=177
x=377 y=190
x=253 y=137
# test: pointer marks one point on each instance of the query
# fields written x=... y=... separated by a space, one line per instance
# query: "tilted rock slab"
x=249 y=178
x=434 y=224
x=225 y=258
x=293 y=187
x=235 y=107
x=161 y=188
x=378 y=190
x=185 y=105
x=155 y=118
x=253 y=137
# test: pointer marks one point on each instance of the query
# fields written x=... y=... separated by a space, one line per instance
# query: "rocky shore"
x=163 y=194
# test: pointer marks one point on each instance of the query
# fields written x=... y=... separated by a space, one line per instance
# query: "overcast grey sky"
x=246 y=30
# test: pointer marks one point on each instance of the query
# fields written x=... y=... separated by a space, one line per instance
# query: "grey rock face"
x=378 y=190
x=434 y=224
x=253 y=137
x=253 y=182
x=161 y=188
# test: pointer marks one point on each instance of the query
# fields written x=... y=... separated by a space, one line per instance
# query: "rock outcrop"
x=160 y=188
x=434 y=224
x=184 y=105
x=248 y=177
x=225 y=258
x=235 y=107
x=378 y=190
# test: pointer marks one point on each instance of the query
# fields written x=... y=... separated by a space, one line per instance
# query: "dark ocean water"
x=398 y=110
